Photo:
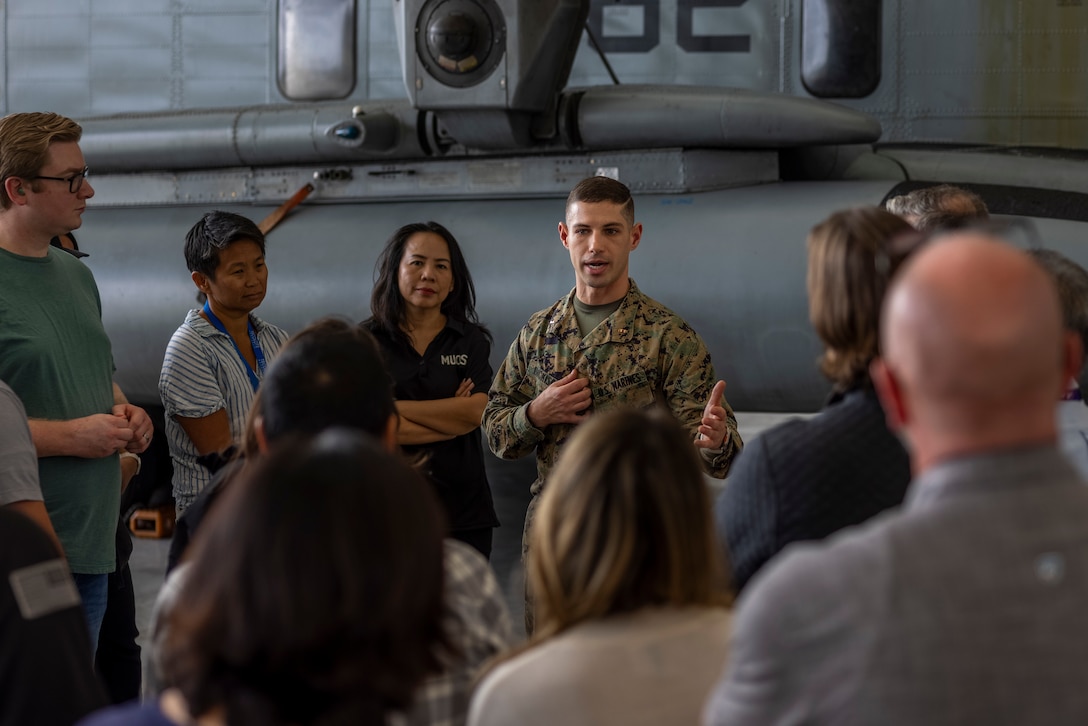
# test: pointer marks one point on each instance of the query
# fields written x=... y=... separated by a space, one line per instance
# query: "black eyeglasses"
x=75 y=182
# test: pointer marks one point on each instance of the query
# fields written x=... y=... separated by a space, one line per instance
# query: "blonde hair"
x=624 y=523
x=24 y=144
x=851 y=257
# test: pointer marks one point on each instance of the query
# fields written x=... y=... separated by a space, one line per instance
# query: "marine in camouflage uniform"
x=641 y=354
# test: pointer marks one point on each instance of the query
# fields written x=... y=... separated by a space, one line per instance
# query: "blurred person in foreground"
x=967 y=604
x=628 y=582
x=314 y=594
x=46 y=677
x=808 y=478
x=1072 y=282
x=331 y=374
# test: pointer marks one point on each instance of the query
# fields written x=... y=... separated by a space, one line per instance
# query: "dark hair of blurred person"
x=329 y=374
x=942 y=207
x=1071 y=281
x=805 y=479
x=628 y=581
x=314 y=593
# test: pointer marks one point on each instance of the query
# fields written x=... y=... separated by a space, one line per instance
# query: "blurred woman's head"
x=330 y=373
x=624 y=523
x=421 y=267
x=852 y=255
x=314 y=594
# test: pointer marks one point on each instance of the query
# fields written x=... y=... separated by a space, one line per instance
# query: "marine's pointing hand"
x=712 y=428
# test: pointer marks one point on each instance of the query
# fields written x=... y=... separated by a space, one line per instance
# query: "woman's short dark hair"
x=213 y=233
x=386 y=304
x=314 y=594
x=852 y=256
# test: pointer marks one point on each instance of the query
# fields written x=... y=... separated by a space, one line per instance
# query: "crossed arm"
x=441 y=419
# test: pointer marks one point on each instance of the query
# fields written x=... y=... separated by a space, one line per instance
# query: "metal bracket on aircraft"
x=668 y=171
x=338 y=174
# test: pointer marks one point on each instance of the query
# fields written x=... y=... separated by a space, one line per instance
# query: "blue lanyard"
x=257 y=352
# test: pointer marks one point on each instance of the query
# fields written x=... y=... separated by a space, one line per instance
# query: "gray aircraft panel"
x=731 y=260
x=986 y=71
x=747 y=301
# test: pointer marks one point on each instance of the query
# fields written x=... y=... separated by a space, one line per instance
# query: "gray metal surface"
x=316 y=49
x=974 y=71
x=255 y=135
x=731 y=262
x=659 y=170
x=639 y=116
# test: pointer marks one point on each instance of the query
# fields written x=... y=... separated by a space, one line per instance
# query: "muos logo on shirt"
x=455 y=360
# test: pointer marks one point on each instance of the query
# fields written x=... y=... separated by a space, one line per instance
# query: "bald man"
x=966 y=606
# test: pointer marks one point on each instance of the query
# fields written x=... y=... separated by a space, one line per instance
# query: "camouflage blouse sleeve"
x=688 y=382
x=506 y=424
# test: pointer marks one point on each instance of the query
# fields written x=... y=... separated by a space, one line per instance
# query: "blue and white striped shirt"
x=201 y=374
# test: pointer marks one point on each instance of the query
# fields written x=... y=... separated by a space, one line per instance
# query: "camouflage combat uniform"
x=641 y=353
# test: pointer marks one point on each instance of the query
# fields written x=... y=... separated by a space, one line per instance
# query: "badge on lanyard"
x=257 y=352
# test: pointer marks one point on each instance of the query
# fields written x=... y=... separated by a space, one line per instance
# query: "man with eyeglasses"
x=54 y=352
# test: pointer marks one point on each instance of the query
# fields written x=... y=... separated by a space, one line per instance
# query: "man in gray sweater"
x=965 y=606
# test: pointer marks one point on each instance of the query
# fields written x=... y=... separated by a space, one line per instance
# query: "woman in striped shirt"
x=215 y=360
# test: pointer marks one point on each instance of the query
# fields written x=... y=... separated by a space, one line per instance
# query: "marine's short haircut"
x=24 y=144
x=603 y=189
x=1072 y=282
x=214 y=233
x=329 y=374
x=941 y=207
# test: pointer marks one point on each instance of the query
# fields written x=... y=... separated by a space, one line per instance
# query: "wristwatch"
x=130 y=455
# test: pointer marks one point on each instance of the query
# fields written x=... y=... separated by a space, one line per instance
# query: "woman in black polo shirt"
x=424 y=317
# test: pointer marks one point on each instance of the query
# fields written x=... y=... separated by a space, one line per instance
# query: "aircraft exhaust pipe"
x=256 y=136
x=632 y=117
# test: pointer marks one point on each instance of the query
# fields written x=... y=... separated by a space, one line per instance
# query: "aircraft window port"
x=840 y=47
x=460 y=42
x=316 y=49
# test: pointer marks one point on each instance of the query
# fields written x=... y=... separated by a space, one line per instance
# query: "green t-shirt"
x=590 y=316
x=55 y=355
